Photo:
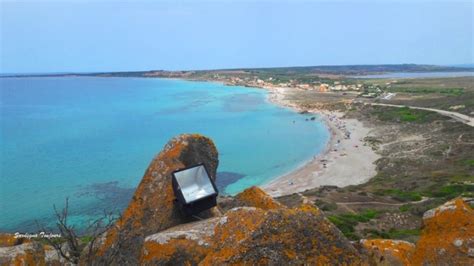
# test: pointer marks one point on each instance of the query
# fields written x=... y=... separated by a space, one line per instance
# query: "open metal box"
x=195 y=191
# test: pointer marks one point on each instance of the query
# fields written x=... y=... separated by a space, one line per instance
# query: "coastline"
x=346 y=153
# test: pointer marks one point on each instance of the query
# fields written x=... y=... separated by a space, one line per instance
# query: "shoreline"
x=346 y=153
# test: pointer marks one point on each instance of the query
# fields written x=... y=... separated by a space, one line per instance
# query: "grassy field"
x=455 y=94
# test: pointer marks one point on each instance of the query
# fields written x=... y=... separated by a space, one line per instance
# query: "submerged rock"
x=152 y=208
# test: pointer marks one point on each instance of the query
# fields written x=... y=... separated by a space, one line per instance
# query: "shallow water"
x=91 y=139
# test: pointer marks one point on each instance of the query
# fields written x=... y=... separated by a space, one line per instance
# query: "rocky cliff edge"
x=256 y=230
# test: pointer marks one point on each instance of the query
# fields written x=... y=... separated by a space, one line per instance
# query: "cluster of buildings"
x=367 y=91
x=320 y=87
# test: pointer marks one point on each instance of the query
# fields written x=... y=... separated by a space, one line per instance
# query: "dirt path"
x=346 y=205
x=458 y=116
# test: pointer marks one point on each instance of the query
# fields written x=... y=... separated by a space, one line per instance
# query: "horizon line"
x=467 y=65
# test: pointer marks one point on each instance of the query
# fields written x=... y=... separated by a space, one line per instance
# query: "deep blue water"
x=91 y=139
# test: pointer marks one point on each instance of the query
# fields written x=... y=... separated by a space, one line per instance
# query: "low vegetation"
x=347 y=222
x=400 y=195
x=428 y=90
x=404 y=114
x=393 y=233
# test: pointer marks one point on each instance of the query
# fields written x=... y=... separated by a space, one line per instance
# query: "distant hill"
x=305 y=70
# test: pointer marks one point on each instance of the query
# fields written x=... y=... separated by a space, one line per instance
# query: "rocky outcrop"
x=272 y=234
x=280 y=237
x=22 y=251
x=251 y=197
x=152 y=208
x=256 y=197
x=9 y=240
x=25 y=254
x=387 y=252
x=256 y=229
x=447 y=237
x=183 y=244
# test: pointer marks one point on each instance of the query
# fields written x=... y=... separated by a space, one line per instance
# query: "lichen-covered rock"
x=250 y=235
x=9 y=240
x=447 y=237
x=256 y=197
x=25 y=254
x=388 y=252
x=152 y=208
x=52 y=258
x=180 y=245
x=279 y=237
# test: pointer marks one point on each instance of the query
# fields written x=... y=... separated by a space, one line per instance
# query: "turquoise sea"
x=91 y=139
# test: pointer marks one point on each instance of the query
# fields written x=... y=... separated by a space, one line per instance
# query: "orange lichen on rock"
x=447 y=237
x=238 y=224
x=8 y=240
x=388 y=252
x=174 y=252
x=279 y=236
x=24 y=254
x=256 y=197
x=305 y=207
x=182 y=244
x=152 y=208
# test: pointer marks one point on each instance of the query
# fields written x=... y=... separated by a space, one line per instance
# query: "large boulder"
x=280 y=237
x=152 y=208
x=269 y=234
x=447 y=237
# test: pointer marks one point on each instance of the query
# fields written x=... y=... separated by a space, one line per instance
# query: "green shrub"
x=404 y=114
x=402 y=195
x=452 y=191
x=325 y=206
x=402 y=233
x=346 y=222
x=405 y=207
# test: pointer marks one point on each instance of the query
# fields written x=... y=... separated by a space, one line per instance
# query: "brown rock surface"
x=279 y=237
x=248 y=235
x=187 y=243
x=256 y=197
x=24 y=254
x=9 y=240
x=388 y=252
x=447 y=237
x=152 y=208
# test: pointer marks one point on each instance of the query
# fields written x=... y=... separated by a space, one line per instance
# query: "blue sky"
x=83 y=36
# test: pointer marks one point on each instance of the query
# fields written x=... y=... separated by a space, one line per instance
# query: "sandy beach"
x=347 y=160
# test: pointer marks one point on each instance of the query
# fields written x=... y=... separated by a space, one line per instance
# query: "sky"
x=105 y=35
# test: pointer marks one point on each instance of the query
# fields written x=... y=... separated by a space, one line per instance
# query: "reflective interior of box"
x=194 y=183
